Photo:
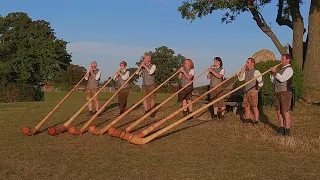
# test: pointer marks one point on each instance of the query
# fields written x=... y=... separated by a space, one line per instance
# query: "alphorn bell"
x=116 y=133
x=96 y=131
x=26 y=129
x=126 y=135
x=73 y=130
x=139 y=141
x=53 y=131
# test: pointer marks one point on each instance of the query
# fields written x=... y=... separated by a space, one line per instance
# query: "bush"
x=266 y=94
x=12 y=92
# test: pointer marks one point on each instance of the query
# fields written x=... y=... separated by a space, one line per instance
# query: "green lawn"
x=196 y=149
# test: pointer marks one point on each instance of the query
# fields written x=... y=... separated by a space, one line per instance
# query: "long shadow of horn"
x=111 y=106
x=105 y=121
x=146 y=125
x=178 y=130
x=61 y=122
x=122 y=125
x=45 y=129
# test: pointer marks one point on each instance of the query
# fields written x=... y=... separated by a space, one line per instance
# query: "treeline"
x=30 y=54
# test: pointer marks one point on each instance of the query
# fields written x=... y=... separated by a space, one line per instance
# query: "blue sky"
x=109 y=31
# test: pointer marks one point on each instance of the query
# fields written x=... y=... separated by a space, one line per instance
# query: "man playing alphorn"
x=282 y=81
x=93 y=77
x=251 y=90
x=148 y=82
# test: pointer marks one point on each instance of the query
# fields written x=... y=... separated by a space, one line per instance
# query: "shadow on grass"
x=112 y=118
x=110 y=106
x=178 y=130
x=145 y=126
x=263 y=117
x=153 y=121
x=265 y=120
x=82 y=122
x=57 y=125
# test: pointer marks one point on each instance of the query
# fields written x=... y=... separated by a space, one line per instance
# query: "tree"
x=191 y=9
x=29 y=50
x=312 y=63
x=167 y=63
x=71 y=76
x=288 y=14
x=111 y=84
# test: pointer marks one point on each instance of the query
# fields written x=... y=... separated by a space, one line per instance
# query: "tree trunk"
x=298 y=31
x=312 y=64
x=265 y=28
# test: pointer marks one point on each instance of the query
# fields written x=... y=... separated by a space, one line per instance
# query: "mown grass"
x=196 y=149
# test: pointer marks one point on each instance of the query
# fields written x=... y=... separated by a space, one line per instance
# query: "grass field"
x=196 y=149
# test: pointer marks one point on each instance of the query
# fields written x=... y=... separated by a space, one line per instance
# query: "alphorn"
x=26 y=129
x=126 y=135
x=53 y=131
x=73 y=130
x=116 y=133
x=96 y=131
x=140 y=141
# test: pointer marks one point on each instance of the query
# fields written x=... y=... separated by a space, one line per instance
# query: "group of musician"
x=282 y=82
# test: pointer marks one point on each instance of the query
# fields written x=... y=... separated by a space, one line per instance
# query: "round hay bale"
x=264 y=55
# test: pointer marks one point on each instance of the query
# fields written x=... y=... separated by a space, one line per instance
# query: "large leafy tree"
x=167 y=63
x=29 y=51
x=288 y=14
x=71 y=76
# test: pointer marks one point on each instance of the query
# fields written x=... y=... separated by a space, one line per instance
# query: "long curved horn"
x=26 y=129
x=96 y=131
x=137 y=140
x=116 y=133
x=53 y=131
x=73 y=130
x=126 y=135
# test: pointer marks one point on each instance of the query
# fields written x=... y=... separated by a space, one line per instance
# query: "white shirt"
x=287 y=74
x=256 y=73
x=191 y=72
x=97 y=76
x=124 y=77
x=152 y=70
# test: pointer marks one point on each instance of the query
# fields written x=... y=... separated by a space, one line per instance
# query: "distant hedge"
x=266 y=94
x=11 y=92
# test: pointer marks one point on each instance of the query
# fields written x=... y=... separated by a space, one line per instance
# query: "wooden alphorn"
x=137 y=140
x=74 y=131
x=96 y=131
x=126 y=135
x=116 y=133
x=26 y=129
x=53 y=131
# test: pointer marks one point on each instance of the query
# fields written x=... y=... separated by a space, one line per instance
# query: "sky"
x=109 y=31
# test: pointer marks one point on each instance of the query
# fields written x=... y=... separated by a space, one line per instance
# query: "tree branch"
x=295 y=11
x=257 y=16
x=280 y=19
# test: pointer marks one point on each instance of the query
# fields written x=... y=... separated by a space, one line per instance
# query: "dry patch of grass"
x=196 y=149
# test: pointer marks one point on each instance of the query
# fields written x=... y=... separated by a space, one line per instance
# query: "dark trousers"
x=122 y=99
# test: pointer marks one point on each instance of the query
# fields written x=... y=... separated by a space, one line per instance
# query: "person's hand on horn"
x=210 y=68
x=143 y=64
x=273 y=70
x=181 y=69
x=117 y=73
